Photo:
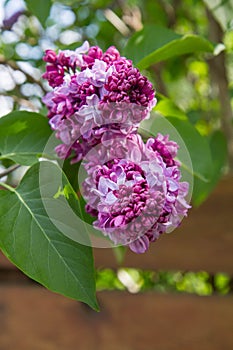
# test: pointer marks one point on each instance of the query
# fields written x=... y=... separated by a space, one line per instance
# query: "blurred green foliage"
x=137 y=280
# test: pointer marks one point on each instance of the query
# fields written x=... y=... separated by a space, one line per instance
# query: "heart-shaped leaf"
x=32 y=237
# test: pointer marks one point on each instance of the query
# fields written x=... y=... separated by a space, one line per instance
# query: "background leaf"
x=40 y=9
x=218 y=148
x=154 y=44
x=198 y=148
x=32 y=242
x=169 y=109
x=23 y=136
x=201 y=157
x=194 y=150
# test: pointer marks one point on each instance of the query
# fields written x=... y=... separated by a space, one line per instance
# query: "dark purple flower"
x=54 y=74
x=111 y=55
x=64 y=62
x=128 y=85
x=94 y=53
x=50 y=56
x=128 y=91
x=136 y=197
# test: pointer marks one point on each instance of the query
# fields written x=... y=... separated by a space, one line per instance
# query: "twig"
x=14 y=66
x=117 y=22
x=22 y=101
x=9 y=170
x=132 y=17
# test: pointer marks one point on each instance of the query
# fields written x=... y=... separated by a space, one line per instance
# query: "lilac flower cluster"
x=93 y=92
x=133 y=189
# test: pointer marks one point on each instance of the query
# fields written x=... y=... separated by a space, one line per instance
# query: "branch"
x=14 y=66
x=117 y=22
x=132 y=17
x=22 y=101
x=9 y=170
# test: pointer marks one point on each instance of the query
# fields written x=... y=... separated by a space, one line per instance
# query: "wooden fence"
x=32 y=318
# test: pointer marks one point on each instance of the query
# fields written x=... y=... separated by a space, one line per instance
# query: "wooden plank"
x=4 y=262
x=33 y=318
x=204 y=241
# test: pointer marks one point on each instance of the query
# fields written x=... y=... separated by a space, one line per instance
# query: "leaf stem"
x=7 y=187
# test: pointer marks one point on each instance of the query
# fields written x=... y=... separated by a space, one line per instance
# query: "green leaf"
x=23 y=136
x=198 y=148
x=154 y=44
x=194 y=150
x=201 y=158
x=40 y=9
x=169 y=109
x=218 y=147
x=33 y=239
x=73 y=171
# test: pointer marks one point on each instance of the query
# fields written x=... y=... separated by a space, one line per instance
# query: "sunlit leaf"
x=154 y=44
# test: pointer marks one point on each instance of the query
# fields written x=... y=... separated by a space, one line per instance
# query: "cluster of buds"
x=133 y=189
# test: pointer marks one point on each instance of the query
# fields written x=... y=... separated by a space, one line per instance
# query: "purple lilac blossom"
x=134 y=190
x=92 y=90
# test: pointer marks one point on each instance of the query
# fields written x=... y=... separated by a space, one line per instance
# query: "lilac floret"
x=64 y=62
